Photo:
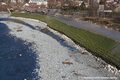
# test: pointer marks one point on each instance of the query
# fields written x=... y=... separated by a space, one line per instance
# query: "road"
x=90 y=27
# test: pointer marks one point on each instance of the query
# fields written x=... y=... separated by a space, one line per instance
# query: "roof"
x=39 y=2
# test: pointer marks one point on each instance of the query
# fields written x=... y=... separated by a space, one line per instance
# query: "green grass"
x=99 y=45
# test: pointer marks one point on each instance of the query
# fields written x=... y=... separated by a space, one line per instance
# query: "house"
x=35 y=6
x=3 y=6
x=55 y=3
x=106 y=8
x=15 y=4
x=40 y=2
x=31 y=7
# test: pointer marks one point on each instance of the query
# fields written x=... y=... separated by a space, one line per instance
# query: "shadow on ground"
x=17 y=59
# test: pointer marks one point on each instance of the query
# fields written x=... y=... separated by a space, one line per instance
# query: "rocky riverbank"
x=58 y=57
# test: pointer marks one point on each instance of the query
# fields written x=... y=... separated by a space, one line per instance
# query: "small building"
x=3 y=6
x=40 y=2
x=104 y=10
x=55 y=3
x=31 y=7
x=35 y=6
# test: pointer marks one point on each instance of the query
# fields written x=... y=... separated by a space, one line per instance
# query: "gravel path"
x=56 y=61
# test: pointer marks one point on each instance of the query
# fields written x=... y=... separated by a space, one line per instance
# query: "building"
x=35 y=5
x=39 y=2
x=55 y=3
x=31 y=7
x=14 y=4
x=17 y=1
x=3 y=6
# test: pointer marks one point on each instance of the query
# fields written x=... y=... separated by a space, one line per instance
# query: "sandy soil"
x=58 y=62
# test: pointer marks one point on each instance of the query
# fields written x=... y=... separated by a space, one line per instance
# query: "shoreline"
x=67 y=39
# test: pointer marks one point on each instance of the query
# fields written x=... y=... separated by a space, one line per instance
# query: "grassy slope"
x=99 y=45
